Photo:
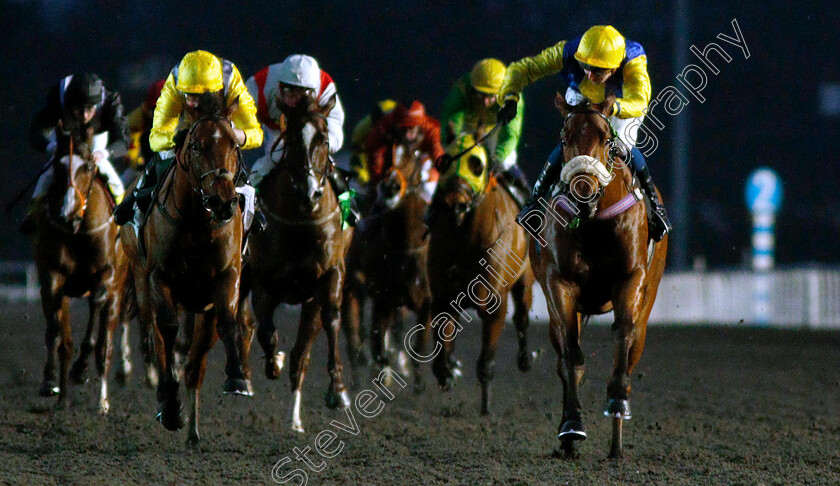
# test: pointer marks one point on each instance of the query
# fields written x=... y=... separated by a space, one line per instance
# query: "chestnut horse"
x=602 y=262
x=74 y=254
x=477 y=256
x=387 y=262
x=193 y=262
x=299 y=257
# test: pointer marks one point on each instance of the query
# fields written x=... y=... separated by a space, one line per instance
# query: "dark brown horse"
x=477 y=256
x=74 y=253
x=599 y=262
x=387 y=262
x=190 y=259
x=299 y=258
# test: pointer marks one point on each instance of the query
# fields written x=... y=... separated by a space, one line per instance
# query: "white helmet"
x=301 y=70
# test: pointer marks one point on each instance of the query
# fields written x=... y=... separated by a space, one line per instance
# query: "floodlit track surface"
x=724 y=405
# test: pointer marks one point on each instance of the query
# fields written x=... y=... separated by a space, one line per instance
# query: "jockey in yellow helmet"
x=600 y=61
x=199 y=78
x=471 y=104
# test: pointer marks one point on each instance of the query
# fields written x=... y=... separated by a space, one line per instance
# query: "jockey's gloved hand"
x=507 y=112
x=443 y=162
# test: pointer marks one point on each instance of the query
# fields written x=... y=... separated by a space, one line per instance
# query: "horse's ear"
x=326 y=109
x=606 y=106
x=560 y=103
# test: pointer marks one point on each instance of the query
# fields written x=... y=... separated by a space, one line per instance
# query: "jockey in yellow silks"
x=599 y=62
x=199 y=76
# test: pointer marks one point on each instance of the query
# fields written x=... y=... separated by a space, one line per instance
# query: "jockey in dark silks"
x=79 y=103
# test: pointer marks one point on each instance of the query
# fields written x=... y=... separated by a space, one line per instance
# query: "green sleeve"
x=509 y=135
x=454 y=108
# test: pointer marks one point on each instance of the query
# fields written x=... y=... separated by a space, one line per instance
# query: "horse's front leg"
x=308 y=328
x=445 y=367
x=202 y=340
x=226 y=302
x=264 y=306
x=352 y=305
x=493 y=323
x=564 y=331
x=627 y=328
x=55 y=308
x=163 y=321
x=330 y=297
x=79 y=369
x=523 y=297
x=109 y=316
x=245 y=325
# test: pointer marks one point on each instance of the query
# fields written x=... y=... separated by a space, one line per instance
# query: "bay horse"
x=299 y=257
x=604 y=261
x=477 y=256
x=74 y=253
x=187 y=256
x=387 y=262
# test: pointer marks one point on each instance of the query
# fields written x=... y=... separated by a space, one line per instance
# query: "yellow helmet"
x=487 y=75
x=601 y=46
x=199 y=72
x=386 y=106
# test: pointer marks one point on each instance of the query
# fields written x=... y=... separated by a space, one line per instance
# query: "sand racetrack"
x=724 y=405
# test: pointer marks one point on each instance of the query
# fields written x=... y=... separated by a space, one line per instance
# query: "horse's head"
x=306 y=154
x=74 y=174
x=589 y=143
x=210 y=154
x=466 y=180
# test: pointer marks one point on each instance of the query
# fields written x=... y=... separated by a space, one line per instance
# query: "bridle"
x=321 y=175
x=189 y=166
x=612 y=142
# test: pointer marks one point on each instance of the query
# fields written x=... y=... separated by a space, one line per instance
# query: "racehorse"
x=477 y=256
x=74 y=254
x=187 y=256
x=593 y=255
x=299 y=257
x=387 y=261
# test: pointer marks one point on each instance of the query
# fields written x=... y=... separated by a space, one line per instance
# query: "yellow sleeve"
x=635 y=89
x=167 y=114
x=245 y=116
x=525 y=71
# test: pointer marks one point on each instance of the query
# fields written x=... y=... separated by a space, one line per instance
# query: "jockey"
x=600 y=61
x=358 y=157
x=403 y=126
x=139 y=127
x=289 y=81
x=198 y=77
x=470 y=105
x=78 y=103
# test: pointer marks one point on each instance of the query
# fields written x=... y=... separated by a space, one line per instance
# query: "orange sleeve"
x=431 y=139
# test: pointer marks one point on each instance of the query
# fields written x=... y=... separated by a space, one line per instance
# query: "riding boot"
x=517 y=185
x=660 y=225
x=546 y=180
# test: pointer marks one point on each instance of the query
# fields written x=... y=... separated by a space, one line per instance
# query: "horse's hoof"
x=618 y=408
x=151 y=377
x=340 y=400
x=78 y=374
x=48 y=389
x=170 y=416
x=104 y=407
x=274 y=366
x=571 y=430
x=236 y=386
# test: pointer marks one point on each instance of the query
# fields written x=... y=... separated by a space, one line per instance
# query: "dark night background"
x=761 y=111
